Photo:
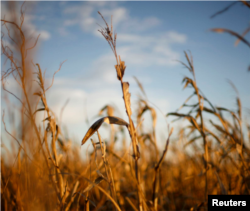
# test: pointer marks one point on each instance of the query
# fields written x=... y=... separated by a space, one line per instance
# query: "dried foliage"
x=44 y=170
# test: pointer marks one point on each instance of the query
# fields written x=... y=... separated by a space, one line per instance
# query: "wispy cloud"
x=137 y=43
x=85 y=15
x=28 y=26
x=140 y=51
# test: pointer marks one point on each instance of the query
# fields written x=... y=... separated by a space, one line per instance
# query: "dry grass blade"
x=222 y=187
x=192 y=140
x=125 y=86
x=98 y=123
x=103 y=191
x=157 y=170
x=188 y=117
x=245 y=3
x=152 y=110
x=243 y=34
x=40 y=109
x=42 y=169
x=73 y=195
x=120 y=69
x=190 y=62
x=96 y=182
x=221 y=30
x=131 y=203
x=140 y=86
x=224 y=10
x=110 y=110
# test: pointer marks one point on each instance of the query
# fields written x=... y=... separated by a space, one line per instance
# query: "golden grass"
x=43 y=172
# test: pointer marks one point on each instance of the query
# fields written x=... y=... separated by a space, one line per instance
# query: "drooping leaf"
x=221 y=30
x=190 y=62
x=109 y=109
x=38 y=94
x=192 y=140
x=244 y=33
x=98 y=123
x=48 y=118
x=40 y=109
x=91 y=185
x=188 y=117
x=152 y=110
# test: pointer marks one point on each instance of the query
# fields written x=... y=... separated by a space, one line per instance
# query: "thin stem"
x=107 y=168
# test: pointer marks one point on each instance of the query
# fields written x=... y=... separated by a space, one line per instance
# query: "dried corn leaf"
x=48 y=118
x=188 y=81
x=212 y=134
x=222 y=187
x=140 y=86
x=190 y=119
x=120 y=69
x=219 y=128
x=191 y=68
x=154 y=116
x=38 y=94
x=90 y=186
x=192 y=140
x=244 y=33
x=239 y=107
x=40 y=109
x=125 y=86
x=221 y=30
x=152 y=110
x=98 y=123
x=109 y=109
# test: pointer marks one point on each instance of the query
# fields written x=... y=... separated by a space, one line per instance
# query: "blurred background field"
x=58 y=78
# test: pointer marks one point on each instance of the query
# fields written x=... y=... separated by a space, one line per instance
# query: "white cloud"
x=118 y=15
x=136 y=48
x=70 y=22
x=28 y=27
x=89 y=24
x=44 y=35
x=137 y=25
x=31 y=30
x=73 y=112
x=86 y=16
x=62 y=31
x=144 y=50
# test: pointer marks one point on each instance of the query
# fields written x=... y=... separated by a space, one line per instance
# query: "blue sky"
x=151 y=37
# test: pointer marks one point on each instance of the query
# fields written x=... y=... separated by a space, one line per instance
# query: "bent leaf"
x=109 y=109
x=140 y=86
x=91 y=185
x=220 y=30
x=40 y=109
x=98 y=123
x=38 y=94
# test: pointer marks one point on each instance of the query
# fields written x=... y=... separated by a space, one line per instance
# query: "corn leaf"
x=98 y=123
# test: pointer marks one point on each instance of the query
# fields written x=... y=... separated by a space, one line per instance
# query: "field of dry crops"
x=44 y=172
